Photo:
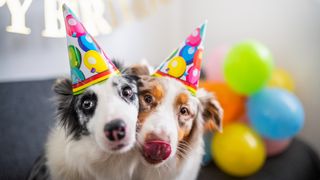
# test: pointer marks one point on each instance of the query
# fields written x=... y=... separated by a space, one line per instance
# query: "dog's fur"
x=77 y=147
x=162 y=118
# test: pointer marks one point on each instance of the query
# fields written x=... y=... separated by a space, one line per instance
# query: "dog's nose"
x=115 y=130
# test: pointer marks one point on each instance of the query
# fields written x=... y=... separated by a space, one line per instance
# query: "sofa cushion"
x=26 y=114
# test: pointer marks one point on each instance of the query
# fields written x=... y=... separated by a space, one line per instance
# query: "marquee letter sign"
x=18 y=11
x=91 y=13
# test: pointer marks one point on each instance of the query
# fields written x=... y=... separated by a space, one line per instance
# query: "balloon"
x=244 y=119
x=73 y=27
x=276 y=147
x=282 y=79
x=197 y=59
x=193 y=75
x=177 y=67
x=207 y=158
x=94 y=62
x=238 y=151
x=86 y=43
x=77 y=75
x=187 y=52
x=233 y=104
x=275 y=113
x=195 y=38
x=74 y=56
x=248 y=67
x=214 y=64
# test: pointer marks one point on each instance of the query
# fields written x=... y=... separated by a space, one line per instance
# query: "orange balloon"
x=233 y=104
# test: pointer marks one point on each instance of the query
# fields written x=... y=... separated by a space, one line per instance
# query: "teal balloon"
x=275 y=113
x=207 y=157
x=248 y=67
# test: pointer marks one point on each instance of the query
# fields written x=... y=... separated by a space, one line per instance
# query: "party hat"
x=89 y=64
x=184 y=64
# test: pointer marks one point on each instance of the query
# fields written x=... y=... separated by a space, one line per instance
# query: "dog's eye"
x=87 y=104
x=127 y=92
x=148 y=99
x=184 y=111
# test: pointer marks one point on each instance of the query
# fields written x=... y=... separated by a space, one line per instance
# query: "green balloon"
x=74 y=56
x=248 y=67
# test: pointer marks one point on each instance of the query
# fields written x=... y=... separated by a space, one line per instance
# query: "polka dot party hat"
x=184 y=63
x=88 y=62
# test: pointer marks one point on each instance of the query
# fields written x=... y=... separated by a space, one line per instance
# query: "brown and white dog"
x=170 y=128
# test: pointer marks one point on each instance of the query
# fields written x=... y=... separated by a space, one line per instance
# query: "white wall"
x=35 y=57
x=290 y=28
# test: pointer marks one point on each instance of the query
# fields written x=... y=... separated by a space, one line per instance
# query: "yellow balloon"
x=239 y=150
x=94 y=62
x=282 y=79
x=177 y=67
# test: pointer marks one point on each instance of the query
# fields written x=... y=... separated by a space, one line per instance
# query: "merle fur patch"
x=66 y=109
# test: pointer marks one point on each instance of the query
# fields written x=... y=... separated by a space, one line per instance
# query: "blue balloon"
x=275 y=113
x=207 y=158
x=86 y=43
x=187 y=52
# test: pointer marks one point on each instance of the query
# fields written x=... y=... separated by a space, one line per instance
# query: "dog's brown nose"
x=115 y=130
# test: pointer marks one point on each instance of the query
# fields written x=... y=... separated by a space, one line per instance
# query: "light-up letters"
x=18 y=11
x=91 y=12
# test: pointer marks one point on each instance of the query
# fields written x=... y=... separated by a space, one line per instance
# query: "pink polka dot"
x=195 y=33
x=194 y=39
x=193 y=75
x=73 y=27
x=72 y=22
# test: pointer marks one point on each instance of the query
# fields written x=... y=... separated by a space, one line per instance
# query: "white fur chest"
x=70 y=159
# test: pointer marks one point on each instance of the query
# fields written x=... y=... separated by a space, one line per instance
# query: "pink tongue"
x=156 y=151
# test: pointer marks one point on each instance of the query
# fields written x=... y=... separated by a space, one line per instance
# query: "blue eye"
x=127 y=92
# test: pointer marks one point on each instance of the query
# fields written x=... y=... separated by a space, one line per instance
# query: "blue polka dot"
x=187 y=52
x=86 y=43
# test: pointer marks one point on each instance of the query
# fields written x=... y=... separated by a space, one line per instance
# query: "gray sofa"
x=27 y=113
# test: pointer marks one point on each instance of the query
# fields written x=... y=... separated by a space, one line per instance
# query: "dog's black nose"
x=115 y=130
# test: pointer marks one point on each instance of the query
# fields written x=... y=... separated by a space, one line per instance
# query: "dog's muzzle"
x=156 y=149
x=115 y=130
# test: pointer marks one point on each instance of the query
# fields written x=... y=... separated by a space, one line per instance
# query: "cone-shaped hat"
x=88 y=63
x=184 y=64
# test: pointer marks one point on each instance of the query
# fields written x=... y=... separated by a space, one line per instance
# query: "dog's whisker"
x=184 y=147
x=166 y=166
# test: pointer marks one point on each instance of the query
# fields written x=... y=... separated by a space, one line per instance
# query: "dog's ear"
x=212 y=112
x=63 y=87
x=66 y=112
x=118 y=63
x=137 y=69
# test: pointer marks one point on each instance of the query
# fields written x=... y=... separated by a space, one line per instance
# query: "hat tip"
x=64 y=6
x=204 y=24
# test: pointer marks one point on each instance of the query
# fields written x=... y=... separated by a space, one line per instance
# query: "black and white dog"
x=94 y=132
